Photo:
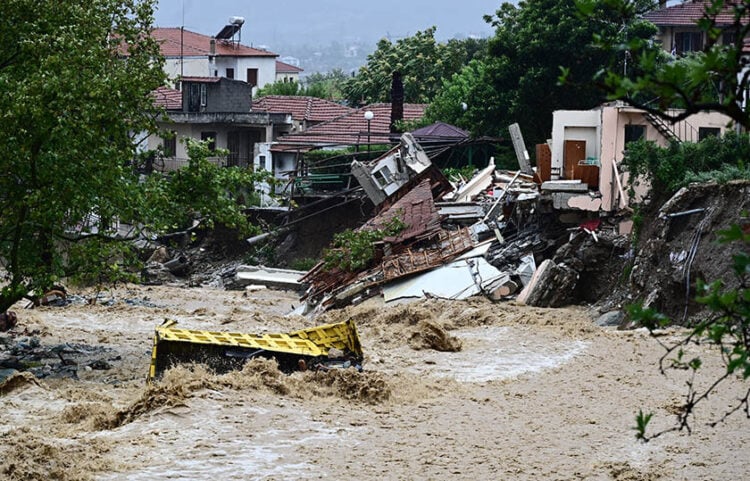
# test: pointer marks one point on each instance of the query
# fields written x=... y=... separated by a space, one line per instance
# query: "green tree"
x=714 y=79
x=467 y=100
x=205 y=191
x=321 y=85
x=422 y=61
x=327 y=85
x=518 y=81
x=281 y=88
x=70 y=111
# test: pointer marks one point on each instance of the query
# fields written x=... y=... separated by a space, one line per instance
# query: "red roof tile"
x=352 y=128
x=282 y=67
x=311 y=109
x=191 y=44
x=168 y=98
x=416 y=209
x=688 y=13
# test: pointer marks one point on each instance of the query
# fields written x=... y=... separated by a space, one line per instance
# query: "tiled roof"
x=416 y=209
x=351 y=129
x=282 y=67
x=440 y=131
x=688 y=13
x=198 y=45
x=168 y=98
x=311 y=109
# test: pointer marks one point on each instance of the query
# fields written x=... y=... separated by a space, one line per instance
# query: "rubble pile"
x=485 y=235
x=26 y=353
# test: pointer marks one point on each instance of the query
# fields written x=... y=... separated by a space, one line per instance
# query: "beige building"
x=587 y=148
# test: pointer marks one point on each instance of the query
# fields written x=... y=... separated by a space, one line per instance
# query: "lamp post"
x=368 y=117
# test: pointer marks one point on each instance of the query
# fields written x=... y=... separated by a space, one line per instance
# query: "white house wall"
x=188 y=67
x=574 y=125
x=266 y=68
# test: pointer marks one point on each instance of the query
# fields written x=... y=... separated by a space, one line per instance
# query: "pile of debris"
x=485 y=235
x=26 y=353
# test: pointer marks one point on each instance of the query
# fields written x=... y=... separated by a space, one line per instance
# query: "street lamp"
x=368 y=117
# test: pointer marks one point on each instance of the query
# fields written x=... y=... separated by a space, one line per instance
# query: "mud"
x=532 y=394
x=429 y=335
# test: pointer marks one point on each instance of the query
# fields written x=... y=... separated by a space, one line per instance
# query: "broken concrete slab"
x=551 y=285
x=610 y=319
x=520 y=147
x=268 y=276
x=455 y=280
x=477 y=184
x=564 y=186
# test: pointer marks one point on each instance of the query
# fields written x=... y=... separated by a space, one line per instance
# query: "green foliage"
x=471 y=86
x=281 y=88
x=303 y=264
x=700 y=81
x=203 y=190
x=519 y=79
x=70 y=104
x=353 y=250
x=321 y=85
x=328 y=85
x=422 y=62
x=457 y=174
x=725 y=328
x=670 y=168
x=642 y=420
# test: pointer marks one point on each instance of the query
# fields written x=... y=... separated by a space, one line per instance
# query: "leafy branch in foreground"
x=726 y=329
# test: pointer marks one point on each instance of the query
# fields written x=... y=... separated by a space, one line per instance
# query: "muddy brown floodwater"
x=451 y=390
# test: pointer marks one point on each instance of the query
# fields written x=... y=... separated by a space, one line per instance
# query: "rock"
x=8 y=320
x=100 y=365
x=157 y=274
x=552 y=285
x=610 y=319
x=334 y=353
x=160 y=256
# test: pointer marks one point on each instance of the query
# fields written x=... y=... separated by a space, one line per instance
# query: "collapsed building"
x=483 y=235
x=546 y=236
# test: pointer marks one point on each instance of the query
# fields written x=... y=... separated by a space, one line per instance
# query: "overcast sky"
x=284 y=22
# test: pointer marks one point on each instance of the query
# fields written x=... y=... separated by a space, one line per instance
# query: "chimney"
x=212 y=48
x=397 y=100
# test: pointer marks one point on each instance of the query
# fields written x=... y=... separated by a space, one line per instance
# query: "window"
x=634 y=132
x=203 y=95
x=194 y=97
x=252 y=76
x=383 y=176
x=704 y=132
x=169 y=144
x=230 y=73
x=687 y=42
x=211 y=138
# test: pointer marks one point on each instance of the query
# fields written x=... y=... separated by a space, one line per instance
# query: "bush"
x=670 y=168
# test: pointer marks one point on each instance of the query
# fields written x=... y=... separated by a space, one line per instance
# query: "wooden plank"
x=543 y=162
